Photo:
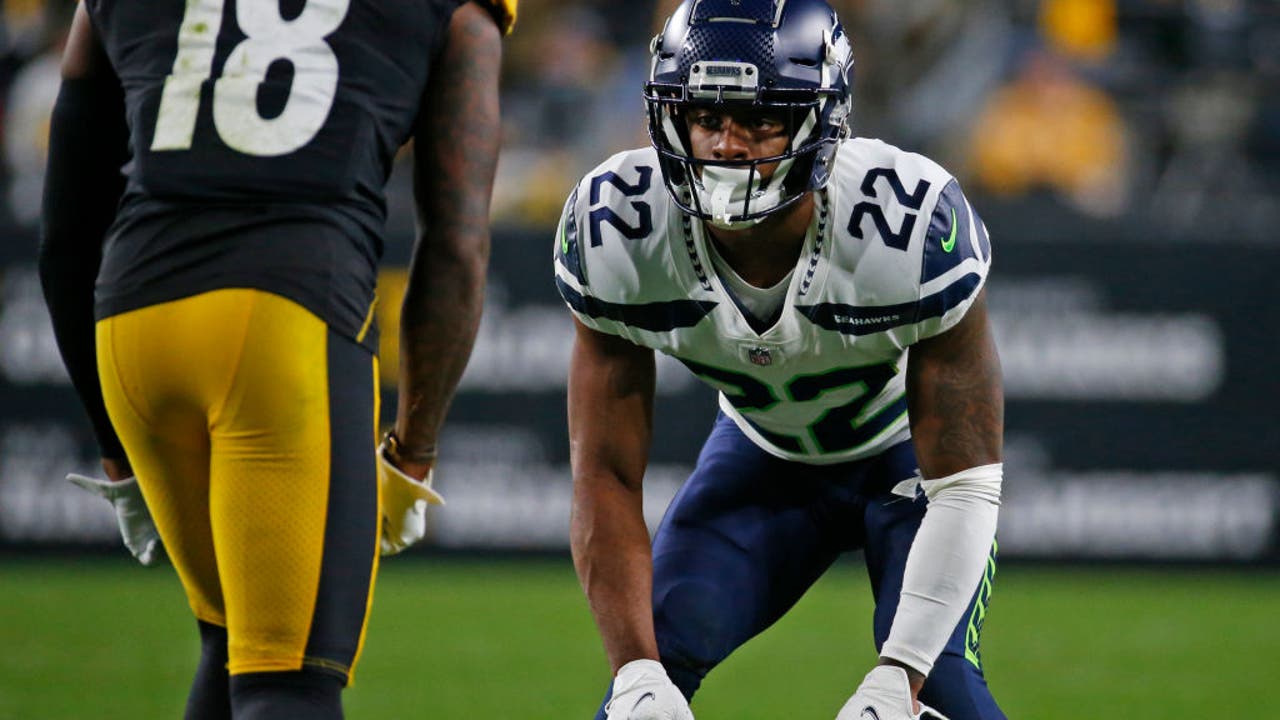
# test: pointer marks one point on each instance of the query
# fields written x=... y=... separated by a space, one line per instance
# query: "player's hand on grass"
x=404 y=504
x=136 y=526
x=642 y=691
x=885 y=694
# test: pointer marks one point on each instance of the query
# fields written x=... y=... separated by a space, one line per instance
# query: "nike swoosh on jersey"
x=950 y=243
x=869 y=712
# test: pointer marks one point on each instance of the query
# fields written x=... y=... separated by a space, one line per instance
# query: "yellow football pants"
x=251 y=429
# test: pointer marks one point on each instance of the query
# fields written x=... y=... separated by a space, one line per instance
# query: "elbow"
x=52 y=267
x=472 y=258
x=460 y=253
x=44 y=261
x=468 y=264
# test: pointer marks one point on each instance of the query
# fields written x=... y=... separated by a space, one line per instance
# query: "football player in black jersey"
x=213 y=220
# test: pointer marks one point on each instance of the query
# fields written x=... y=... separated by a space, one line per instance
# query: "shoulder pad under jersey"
x=618 y=266
x=910 y=253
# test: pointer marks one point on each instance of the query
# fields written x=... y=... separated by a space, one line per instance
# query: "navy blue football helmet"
x=786 y=56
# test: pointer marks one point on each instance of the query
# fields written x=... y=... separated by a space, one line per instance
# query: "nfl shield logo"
x=759 y=356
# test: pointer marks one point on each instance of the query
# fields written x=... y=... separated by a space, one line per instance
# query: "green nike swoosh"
x=564 y=240
x=950 y=243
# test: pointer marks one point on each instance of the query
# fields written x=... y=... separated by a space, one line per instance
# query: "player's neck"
x=763 y=254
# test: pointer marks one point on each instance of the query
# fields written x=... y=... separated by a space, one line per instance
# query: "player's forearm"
x=611 y=386
x=945 y=565
x=455 y=157
x=438 y=326
x=956 y=407
x=88 y=143
x=611 y=553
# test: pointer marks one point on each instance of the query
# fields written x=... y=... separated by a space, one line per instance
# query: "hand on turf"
x=404 y=504
x=136 y=526
x=642 y=691
x=885 y=694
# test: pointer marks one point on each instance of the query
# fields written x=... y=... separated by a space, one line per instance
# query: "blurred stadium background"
x=1125 y=155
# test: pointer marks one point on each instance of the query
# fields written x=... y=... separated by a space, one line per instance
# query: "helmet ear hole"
x=674 y=172
x=797 y=180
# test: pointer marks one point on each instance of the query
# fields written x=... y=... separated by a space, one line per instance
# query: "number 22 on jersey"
x=268 y=38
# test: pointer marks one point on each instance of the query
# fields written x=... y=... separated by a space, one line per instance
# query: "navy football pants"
x=749 y=533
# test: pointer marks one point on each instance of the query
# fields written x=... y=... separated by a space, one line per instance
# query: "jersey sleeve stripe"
x=654 y=317
x=855 y=320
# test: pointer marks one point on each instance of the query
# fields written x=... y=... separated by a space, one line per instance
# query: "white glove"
x=136 y=526
x=642 y=691
x=885 y=694
x=404 y=504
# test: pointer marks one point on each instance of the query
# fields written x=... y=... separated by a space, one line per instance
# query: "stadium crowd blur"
x=1162 y=112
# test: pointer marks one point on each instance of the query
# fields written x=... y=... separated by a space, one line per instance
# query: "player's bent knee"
x=693 y=624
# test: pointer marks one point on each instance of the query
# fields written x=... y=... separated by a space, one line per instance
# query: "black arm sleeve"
x=88 y=144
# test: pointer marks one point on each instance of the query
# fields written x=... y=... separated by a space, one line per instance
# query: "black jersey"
x=262 y=133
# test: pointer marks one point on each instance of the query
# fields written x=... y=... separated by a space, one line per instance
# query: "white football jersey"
x=895 y=254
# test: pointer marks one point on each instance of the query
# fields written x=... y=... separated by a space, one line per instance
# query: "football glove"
x=136 y=526
x=404 y=504
x=885 y=694
x=642 y=691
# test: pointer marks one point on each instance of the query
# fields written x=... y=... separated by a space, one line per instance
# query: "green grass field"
x=100 y=638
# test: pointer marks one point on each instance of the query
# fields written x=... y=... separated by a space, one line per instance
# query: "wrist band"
x=399 y=454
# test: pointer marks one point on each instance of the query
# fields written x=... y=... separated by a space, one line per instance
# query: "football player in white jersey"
x=832 y=290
